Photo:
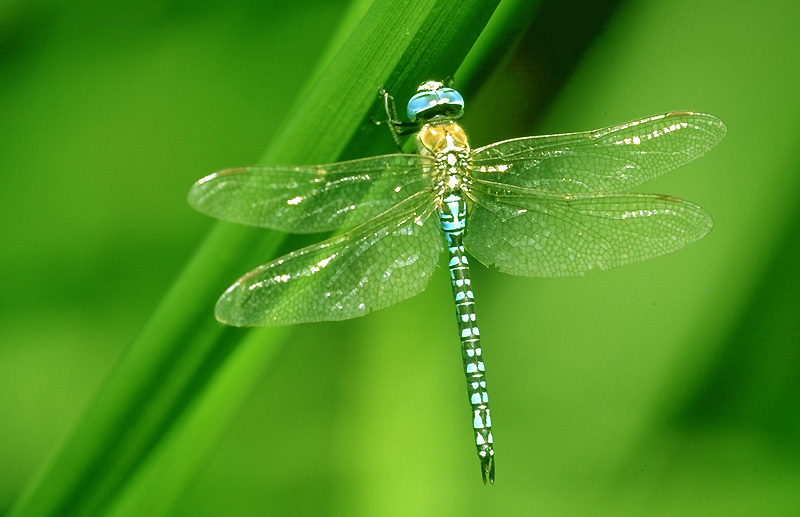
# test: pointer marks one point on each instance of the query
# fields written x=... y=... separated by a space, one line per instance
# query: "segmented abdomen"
x=453 y=218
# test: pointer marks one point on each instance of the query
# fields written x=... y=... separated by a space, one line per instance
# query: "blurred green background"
x=662 y=388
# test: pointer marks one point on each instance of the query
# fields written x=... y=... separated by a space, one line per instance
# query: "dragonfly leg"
x=397 y=127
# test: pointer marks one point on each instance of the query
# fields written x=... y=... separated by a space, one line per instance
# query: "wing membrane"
x=552 y=236
x=375 y=265
x=611 y=159
x=310 y=198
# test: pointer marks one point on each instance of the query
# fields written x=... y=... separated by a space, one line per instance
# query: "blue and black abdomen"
x=453 y=218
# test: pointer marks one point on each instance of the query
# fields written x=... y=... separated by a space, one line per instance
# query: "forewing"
x=311 y=198
x=569 y=235
x=377 y=264
x=611 y=159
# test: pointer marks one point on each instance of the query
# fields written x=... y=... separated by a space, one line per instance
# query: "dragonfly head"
x=433 y=99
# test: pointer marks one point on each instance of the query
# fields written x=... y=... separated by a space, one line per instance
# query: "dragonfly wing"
x=311 y=198
x=382 y=262
x=611 y=159
x=552 y=236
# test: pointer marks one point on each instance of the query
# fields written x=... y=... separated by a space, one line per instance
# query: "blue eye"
x=435 y=102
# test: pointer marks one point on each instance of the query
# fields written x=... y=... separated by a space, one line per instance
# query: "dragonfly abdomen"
x=452 y=215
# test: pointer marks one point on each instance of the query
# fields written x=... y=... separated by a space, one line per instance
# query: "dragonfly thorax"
x=446 y=143
x=438 y=136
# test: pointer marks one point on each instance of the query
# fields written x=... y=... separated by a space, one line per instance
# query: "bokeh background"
x=662 y=388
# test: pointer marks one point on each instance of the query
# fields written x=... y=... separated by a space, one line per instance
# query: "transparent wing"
x=549 y=235
x=611 y=159
x=311 y=198
x=377 y=264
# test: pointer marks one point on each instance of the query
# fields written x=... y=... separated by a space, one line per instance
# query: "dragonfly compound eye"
x=441 y=101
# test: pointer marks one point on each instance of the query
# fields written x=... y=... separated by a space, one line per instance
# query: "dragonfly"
x=538 y=206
